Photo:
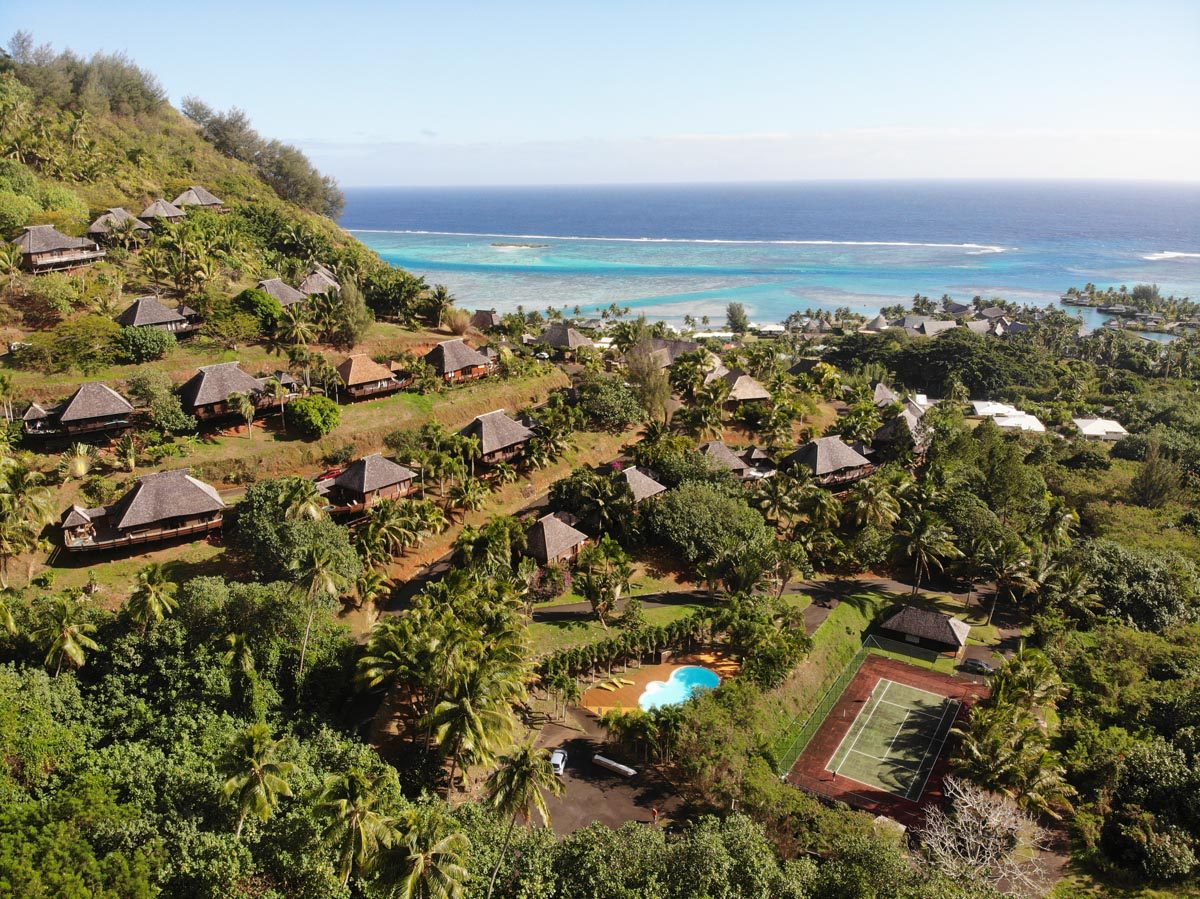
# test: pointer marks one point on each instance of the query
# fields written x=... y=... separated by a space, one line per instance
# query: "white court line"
x=938 y=696
x=897 y=734
x=899 y=762
x=950 y=704
x=910 y=710
x=867 y=721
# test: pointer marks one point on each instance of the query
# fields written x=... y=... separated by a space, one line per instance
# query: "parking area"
x=595 y=794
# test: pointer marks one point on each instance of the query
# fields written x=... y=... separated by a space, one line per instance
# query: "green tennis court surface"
x=896 y=739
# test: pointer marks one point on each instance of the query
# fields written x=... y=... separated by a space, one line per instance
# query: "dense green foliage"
x=314 y=416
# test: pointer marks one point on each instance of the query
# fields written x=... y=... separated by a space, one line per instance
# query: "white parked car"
x=558 y=761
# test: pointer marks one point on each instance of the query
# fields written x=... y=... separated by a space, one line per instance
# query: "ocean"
x=674 y=250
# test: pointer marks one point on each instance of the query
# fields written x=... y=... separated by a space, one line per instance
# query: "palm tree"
x=354 y=828
x=65 y=634
x=1007 y=561
x=928 y=543
x=516 y=788
x=424 y=856
x=302 y=501
x=873 y=504
x=257 y=777
x=603 y=574
x=10 y=263
x=78 y=461
x=238 y=658
x=244 y=406
x=295 y=328
x=275 y=389
x=476 y=715
x=316 y=574
x=153 y=598
x=469 y=494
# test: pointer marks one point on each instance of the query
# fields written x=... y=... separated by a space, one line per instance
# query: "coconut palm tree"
x=873 y=503
x=469 y=494
x=516 y=787
x=424 y=856
x=301 y=500
x=65 y=634
x=153 y=596
x=238 y=659
x=275 y=389
x=927 y=543
x=256 y=775
x=244 y=406
x=295 y=327
x=476 y=717
x=603 y=574
x=319 y=579
x=353 y=826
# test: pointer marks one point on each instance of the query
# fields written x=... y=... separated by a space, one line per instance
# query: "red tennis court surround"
x=810 y=770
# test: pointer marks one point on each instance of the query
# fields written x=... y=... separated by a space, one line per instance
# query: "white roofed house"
x=1100 y=428
x=160 y=506
x=1006 y=417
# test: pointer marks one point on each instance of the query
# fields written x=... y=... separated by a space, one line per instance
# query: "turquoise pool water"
x=679 y=687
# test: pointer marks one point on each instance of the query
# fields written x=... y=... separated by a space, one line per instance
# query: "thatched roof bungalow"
x=830 y=461
x=93 y=408
x=285 y=293
x=641 y=483
x=206 y=394
x=454 y=360
x=501 y=438
x=200 y=197
x=552 y=539
x=928 y=628
x=116 y=218
x=151 y=312
x=161 y=210
x=366 y=481
x=45 y=249
x=363 y=377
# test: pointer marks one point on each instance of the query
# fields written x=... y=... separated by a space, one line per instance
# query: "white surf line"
x=841 y=742
x=990 y=248
x=866 y=723
x=950 y=704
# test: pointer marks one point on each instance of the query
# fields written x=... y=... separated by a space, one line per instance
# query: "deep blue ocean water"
x=691 y=249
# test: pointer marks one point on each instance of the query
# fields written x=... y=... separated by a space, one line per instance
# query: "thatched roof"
x=721 y=456
x=319 y=280
x=936 y=327
x=878 y=323
x=496 y=431
x=641 y=485
x=884 y=395
x=551 y=536
x=743 y=388
x=164 y=495
x=362 y=369
x=37 y=412
x=372 y=473
x=665 y=351
x=196 y=196
x=94 y=400
x=215 y=383
x=826 y=455
x=906 y=425
x=161 y=209
x=113 y=218
x=149 y=311
x=48 y=239
x=453 y=355
x=562 y=336
x=485 y=319
x=929 y=624
x=285 y=293
x=75 y=516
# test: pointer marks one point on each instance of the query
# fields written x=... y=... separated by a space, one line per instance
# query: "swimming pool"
x=679 y=687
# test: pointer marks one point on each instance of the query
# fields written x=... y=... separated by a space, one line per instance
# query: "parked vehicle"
x=978 y=666
x=558 y=761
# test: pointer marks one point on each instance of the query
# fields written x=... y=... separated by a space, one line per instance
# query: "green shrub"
x=314 y=416
x=136 y=345
x=16 y=211
x=261 y=305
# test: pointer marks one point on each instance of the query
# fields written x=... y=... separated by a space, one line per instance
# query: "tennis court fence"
x=800 y=731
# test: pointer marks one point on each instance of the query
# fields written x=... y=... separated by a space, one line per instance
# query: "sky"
x=610 y=91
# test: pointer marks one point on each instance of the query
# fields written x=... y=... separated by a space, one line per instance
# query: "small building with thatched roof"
x=501 y=438
x=722 y=457
x=93 y=408
x=552 y=539
x=116 y=219
x=903 y=433
x=199 y=197
x=884 y=396
x=927 y=628
x=486 y=320
x=161 y=210
x=365 y=481
x=664 y=351
x=363 y=377
x=454 y=360
x=160 y=506
x=641 y=483
x=46 y=249
x=285 y=293
x=562 y=337
x=830 y=461
x=206 y=394
x=319 y=280
x=743 y=388
x=151 y=312
x=877 y=325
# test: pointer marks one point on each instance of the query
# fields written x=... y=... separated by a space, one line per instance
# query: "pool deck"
x=597 y=700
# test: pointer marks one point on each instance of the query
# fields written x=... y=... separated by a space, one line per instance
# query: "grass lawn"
x=549 y=636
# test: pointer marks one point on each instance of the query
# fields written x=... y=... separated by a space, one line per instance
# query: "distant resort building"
x=206 y=394
x=115 y=220
x=501 y=438
x=150 y=312
x=665 y=351
x=720 y=456
x=830 y=461
x=1006 y=417
x=454 y=361
x=927 y=628
x=363 y=377
x=562 y=337
x=159 y=506
x=285 y=293
x=161 y=210
x=485 y=320
x=46 y=249
x=1100 y=428
x=641 y=483
x=199 y=197
x=319 y=280
x=93 y=408
x=553 y=539
x=743 y=388
x=884 y=396
x=365 y=482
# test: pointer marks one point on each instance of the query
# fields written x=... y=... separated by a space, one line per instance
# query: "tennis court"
x=894 y=743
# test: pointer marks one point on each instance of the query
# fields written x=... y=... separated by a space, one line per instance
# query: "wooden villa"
x=552 y=539
x=94 y=408
x=206 y=394
x=743 y=388
x=454 y=360
x=485 y=320
x=198 y=197
x=161 y=210
x=927 y=628
x=665 y=351
x=366 y=481
x=319 y=280
x=285 y=293
x=159 y=506
x=501 y=438
x=151 y=312
x=641 y=483
x=114 y=220
x=720 y=456
x=566 y=340
x=46 y=249
x=830 y=461
x=363 y=377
